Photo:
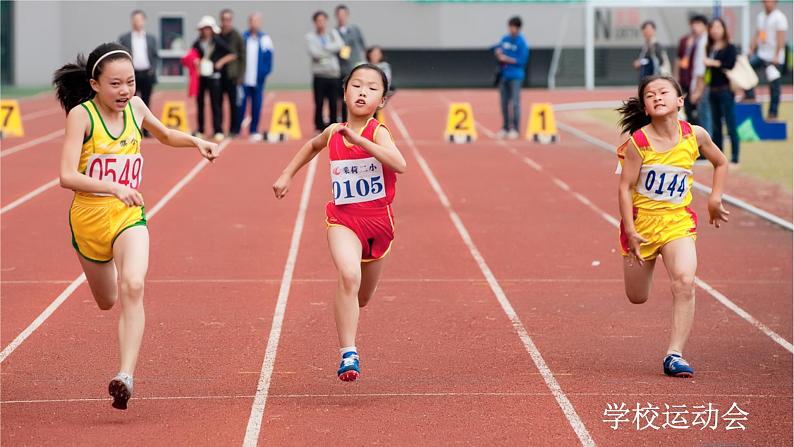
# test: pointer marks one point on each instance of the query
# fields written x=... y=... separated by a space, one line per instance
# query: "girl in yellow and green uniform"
x=102 y=163
x=654 y=193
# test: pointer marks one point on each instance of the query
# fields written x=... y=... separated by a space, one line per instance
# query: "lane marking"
x=67 y=292
x=32 y=143
x=721 y=298
x=263 y=386
x=735 y=201
x=29 y=195
x=567 y=408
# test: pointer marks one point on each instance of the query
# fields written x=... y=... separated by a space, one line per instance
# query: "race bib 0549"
x=123 y=169
x=356 y=181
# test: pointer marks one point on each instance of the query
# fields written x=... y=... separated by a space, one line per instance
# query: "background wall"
x=47 y=34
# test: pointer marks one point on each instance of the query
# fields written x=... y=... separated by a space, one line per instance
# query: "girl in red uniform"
x=364 y=164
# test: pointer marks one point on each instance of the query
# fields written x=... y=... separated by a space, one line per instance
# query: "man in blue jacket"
x=258 y=64
x=512 y=54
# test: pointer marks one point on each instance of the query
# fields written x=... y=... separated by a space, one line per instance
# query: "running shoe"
x=121 y=390
x=676 y=366
x=349 y=368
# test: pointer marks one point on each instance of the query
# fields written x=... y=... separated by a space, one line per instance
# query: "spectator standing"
x=214 y=54
x=375 y=57
x=653 y=59
x=512 y=53
x=768 y=52
x=686 y=54
x=698 y=90
x=258 y=65
x=143 y=47
x=721 y=57
x=324 y=46
x=351 y=54
x=232 y=75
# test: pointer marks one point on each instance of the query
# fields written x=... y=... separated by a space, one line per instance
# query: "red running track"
x=442 y=362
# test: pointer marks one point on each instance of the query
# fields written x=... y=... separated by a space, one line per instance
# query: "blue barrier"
x=766 y=130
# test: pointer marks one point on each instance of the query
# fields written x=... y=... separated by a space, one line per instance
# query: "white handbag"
x=206 y=68
x=742 y=75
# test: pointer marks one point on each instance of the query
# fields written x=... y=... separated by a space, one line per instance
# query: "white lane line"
x=545 y=372
x=269 y=361
x=724 y=300
x=81 y=278
x=29 y=196
x=735 y=201
x=31 y=143
x=41 y=113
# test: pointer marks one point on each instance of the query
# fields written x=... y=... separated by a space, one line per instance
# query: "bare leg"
x=370 y=276
x=131 y=252
x=346 y=254
x=102 y=280
x=638 y=279
x=680 y=259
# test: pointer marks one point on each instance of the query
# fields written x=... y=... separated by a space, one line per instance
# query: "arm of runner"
x=77 y=124
x=632 y=162
x=383 y=148
x=305 y=154
x=172 y=137
x=717 y=211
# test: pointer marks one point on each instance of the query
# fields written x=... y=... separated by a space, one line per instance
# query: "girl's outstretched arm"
x=383 y=148
x=172 y=137
x=632 y=162
x=717 y=211
x=309 y=150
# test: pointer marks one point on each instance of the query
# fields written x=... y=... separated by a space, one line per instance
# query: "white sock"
x=674 y=352
x=347 y=349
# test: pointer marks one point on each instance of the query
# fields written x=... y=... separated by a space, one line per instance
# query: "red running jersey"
x=358 y=179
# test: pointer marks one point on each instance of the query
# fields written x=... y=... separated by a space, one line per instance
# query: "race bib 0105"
x=356 y=181
x=123 y=169
x=664 y=183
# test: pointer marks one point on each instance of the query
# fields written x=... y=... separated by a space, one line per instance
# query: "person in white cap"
x=214 y=53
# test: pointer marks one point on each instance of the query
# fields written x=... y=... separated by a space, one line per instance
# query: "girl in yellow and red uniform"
x=360 y=221
x=101 y=162
x=654 y=194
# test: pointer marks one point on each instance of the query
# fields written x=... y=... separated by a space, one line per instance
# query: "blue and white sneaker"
x=121 y=390
x=349 y=369
x=676 y=366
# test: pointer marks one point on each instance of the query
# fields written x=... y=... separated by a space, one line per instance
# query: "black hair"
x=373 y=48
x=648 y=23
x=726 y=37
x=224 y=11
x=699 y=18
x=633 y=116
x=136 y=12
x=515 y=21
x=71 y=81
x=318 y=14
x=370 y=67
x=339 y=7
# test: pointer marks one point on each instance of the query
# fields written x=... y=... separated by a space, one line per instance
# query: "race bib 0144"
x=356 y=181
x=664 y=183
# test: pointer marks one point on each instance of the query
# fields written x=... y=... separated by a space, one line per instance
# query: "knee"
x=683 y=285
x=635 y=297
x=131 y=287
x=350 y=279
x=105 y=303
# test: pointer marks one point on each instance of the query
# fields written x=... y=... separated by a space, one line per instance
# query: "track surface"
x=442 y=362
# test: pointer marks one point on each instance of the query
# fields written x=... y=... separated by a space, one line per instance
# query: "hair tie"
x=93 y=70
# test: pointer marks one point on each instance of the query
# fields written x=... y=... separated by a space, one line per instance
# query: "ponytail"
x=73 y=81
x=633 y=116
x=72 y=85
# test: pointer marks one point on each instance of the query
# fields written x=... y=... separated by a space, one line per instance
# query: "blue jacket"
x=515 y=47
x=265 y=61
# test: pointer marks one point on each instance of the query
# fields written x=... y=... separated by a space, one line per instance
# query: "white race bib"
x=123 y=169
x=356 y=181
x=664 y=183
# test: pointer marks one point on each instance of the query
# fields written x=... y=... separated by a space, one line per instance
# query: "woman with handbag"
x=214 y=54
x=721 y=57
